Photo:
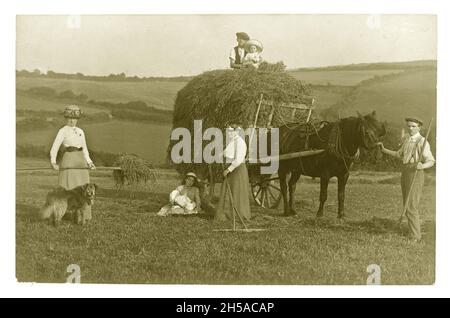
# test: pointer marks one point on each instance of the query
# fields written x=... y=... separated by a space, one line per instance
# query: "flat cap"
x=414 y=120
x=243 y=36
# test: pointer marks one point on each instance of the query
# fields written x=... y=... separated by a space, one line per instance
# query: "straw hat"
x=256 y=43
x=191 y=174
x=72 y=111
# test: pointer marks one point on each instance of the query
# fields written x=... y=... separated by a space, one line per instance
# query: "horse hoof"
x=290 y=213
x=319 y=215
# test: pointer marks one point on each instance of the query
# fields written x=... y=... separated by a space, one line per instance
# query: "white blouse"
x=69 y=137
x=235 y=152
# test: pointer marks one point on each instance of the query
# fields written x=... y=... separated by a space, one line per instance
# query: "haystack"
x=223 y=96
x=134 y=171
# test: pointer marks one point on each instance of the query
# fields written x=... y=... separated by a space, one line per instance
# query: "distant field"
x=410 y=93
x=162 y=94
x=35 y=103
x=159 y=94
x=146 y=140
x=347 y=78
x=327 y=96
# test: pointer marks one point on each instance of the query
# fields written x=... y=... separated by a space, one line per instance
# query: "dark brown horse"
x=340 y=140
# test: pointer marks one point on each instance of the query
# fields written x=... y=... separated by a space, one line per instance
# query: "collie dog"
x=78 y=201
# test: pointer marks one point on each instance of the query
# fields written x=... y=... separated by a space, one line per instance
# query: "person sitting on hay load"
x=238 y=53
x=185 y=199
x=253 y=56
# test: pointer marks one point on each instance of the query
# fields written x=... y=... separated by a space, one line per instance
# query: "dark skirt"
x=72 y=178
x=239 y=186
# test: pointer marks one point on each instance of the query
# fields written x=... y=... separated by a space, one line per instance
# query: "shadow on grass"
x=127 y=194
x=371 y=226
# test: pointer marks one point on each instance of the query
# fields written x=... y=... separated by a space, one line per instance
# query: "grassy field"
x=147 y=140
x=160 y=94
x=127 y=243
x=37 y=104
x=327 y=96
x=410 y=93
x=346 y=78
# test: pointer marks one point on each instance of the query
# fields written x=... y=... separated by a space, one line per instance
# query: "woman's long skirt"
x=72 y=178
x=239 y=186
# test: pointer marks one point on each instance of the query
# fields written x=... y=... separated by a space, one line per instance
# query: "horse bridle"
x=340 y=149
x=364 y=134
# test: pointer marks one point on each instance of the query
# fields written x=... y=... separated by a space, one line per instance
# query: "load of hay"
x=223 y=96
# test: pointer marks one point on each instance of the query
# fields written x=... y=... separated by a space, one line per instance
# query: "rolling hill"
x=24 y=102
x=162 y=94
x=392 y=91
x=336 y=77
x=159 y=94
x=410 y=93
x=148 y=141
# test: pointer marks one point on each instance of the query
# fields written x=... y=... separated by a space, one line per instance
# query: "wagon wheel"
x=266 y=192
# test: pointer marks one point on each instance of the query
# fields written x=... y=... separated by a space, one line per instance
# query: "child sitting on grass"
x=185 y=199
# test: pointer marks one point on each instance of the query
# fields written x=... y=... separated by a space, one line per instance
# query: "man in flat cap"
x=413 y=147
x=238 y=53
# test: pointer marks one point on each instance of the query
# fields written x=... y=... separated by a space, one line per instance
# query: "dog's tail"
x=46 y=211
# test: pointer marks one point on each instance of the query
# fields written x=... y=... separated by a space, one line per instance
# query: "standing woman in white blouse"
x=236 y=175
x=74 y=165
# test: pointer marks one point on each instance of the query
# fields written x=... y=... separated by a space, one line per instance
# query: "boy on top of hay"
x=238 y=52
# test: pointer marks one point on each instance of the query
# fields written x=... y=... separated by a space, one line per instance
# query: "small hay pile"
x=134 y=171
x=223 y=96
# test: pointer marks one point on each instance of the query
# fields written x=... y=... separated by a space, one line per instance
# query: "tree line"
x=119 y=77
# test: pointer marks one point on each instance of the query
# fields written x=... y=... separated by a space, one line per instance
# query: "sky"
x=175 y=45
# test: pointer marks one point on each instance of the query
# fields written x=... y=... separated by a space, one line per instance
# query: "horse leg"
x=292 y=186
x=342 y=181
x=283 y=188
x=323 y=194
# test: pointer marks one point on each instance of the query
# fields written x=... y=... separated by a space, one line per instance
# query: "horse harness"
x=335 y=144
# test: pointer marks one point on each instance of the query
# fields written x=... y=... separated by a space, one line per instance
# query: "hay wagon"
x=266 y=97
x=265 y=189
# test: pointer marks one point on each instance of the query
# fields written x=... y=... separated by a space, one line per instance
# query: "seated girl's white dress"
x=178 y=204
x=252 y=59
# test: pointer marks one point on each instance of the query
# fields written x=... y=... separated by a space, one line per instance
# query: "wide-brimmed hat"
x=191 y=174
x=72 y=111
x=414 y=119
x=256 y=43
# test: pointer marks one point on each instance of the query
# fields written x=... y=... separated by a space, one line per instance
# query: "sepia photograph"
x=226 y=149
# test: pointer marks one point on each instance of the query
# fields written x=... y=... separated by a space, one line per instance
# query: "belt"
x=72 y=149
